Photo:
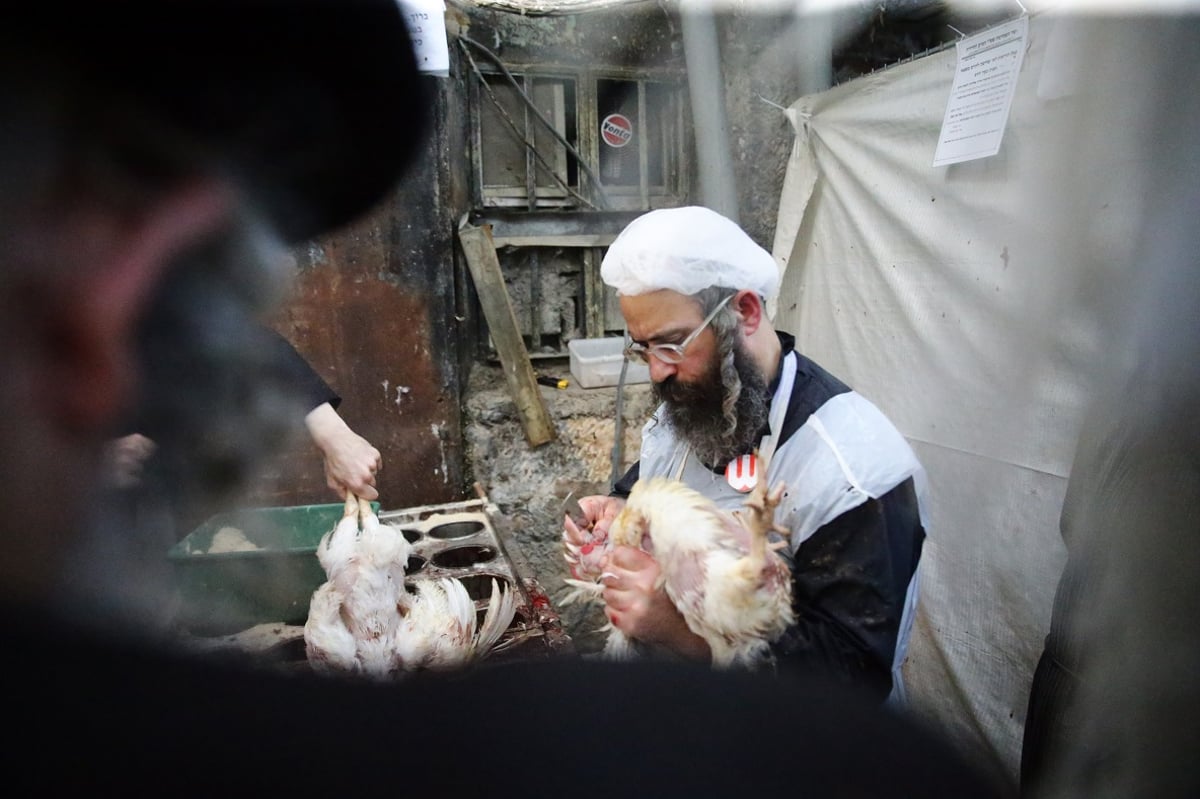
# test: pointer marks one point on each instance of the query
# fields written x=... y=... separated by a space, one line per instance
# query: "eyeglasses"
x=669 y=353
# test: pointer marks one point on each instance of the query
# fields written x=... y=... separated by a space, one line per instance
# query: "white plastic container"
x=596 y=362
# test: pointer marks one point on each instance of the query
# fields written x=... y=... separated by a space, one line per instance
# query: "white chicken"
x=719 y=569
x=440 y=630
x=364 y=620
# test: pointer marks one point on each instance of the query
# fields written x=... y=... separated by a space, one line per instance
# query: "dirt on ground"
x=528 y=484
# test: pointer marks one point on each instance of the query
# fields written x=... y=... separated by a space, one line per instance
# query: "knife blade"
x=572 y=508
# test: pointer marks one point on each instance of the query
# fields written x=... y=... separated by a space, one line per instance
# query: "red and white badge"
x=616 y=130
x=742 y=473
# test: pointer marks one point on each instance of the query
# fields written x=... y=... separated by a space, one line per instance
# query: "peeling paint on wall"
x=440 y=434
x=314 y=255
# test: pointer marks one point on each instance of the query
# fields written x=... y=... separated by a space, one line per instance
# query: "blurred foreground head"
x=156 y=162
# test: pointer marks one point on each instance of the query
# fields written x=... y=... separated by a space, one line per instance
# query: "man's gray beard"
x=696 y=414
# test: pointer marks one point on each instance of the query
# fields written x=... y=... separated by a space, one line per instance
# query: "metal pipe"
x=814 y=34
x=714 y=159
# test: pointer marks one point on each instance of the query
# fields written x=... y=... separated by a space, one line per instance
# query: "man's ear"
x=118 y=259
x=750 y=307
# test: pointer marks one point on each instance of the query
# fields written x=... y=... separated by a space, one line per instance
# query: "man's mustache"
x=677 y=392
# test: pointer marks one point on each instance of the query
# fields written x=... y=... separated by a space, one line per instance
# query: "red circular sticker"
x=616 y=130
x=742 y=473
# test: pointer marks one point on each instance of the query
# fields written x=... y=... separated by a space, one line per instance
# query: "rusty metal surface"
x=372 y=309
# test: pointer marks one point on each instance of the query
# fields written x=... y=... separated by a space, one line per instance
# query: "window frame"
x=674 y=142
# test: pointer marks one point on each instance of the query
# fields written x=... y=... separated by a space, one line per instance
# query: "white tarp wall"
x=957 y=299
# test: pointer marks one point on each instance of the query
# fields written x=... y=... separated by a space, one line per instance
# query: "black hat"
x=317 y=105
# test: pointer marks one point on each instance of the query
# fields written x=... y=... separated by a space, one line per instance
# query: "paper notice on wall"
x=984 y=83
x=427 y=25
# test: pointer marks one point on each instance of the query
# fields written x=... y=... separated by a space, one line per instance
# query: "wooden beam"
x=552 y=240
x=480 y=252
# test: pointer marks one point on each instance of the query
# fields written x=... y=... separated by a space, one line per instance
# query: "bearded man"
x=734 y=396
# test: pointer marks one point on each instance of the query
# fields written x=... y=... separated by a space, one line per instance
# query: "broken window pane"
x=504 y=147
x=517 y=141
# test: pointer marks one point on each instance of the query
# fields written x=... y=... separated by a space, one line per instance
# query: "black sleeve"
x=625 y=484
x=299 y=372
x=849 y=582
x=269 y=358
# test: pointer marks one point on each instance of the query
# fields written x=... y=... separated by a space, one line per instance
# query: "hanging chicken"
x=363 y=619
x=719 y=569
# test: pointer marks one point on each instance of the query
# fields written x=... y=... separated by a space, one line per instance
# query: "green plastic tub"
x=251 y=566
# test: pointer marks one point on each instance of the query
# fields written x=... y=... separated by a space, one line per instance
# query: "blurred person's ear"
x=122 y=257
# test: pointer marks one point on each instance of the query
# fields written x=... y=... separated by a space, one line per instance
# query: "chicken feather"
x=502 y=606
x=439 y=627
x=441 y=630
x=364 y=619
x=718 y=568
x=337 y=551
x=328 y=644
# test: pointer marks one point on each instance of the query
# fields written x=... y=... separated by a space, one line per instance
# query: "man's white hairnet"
x=686 y=250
